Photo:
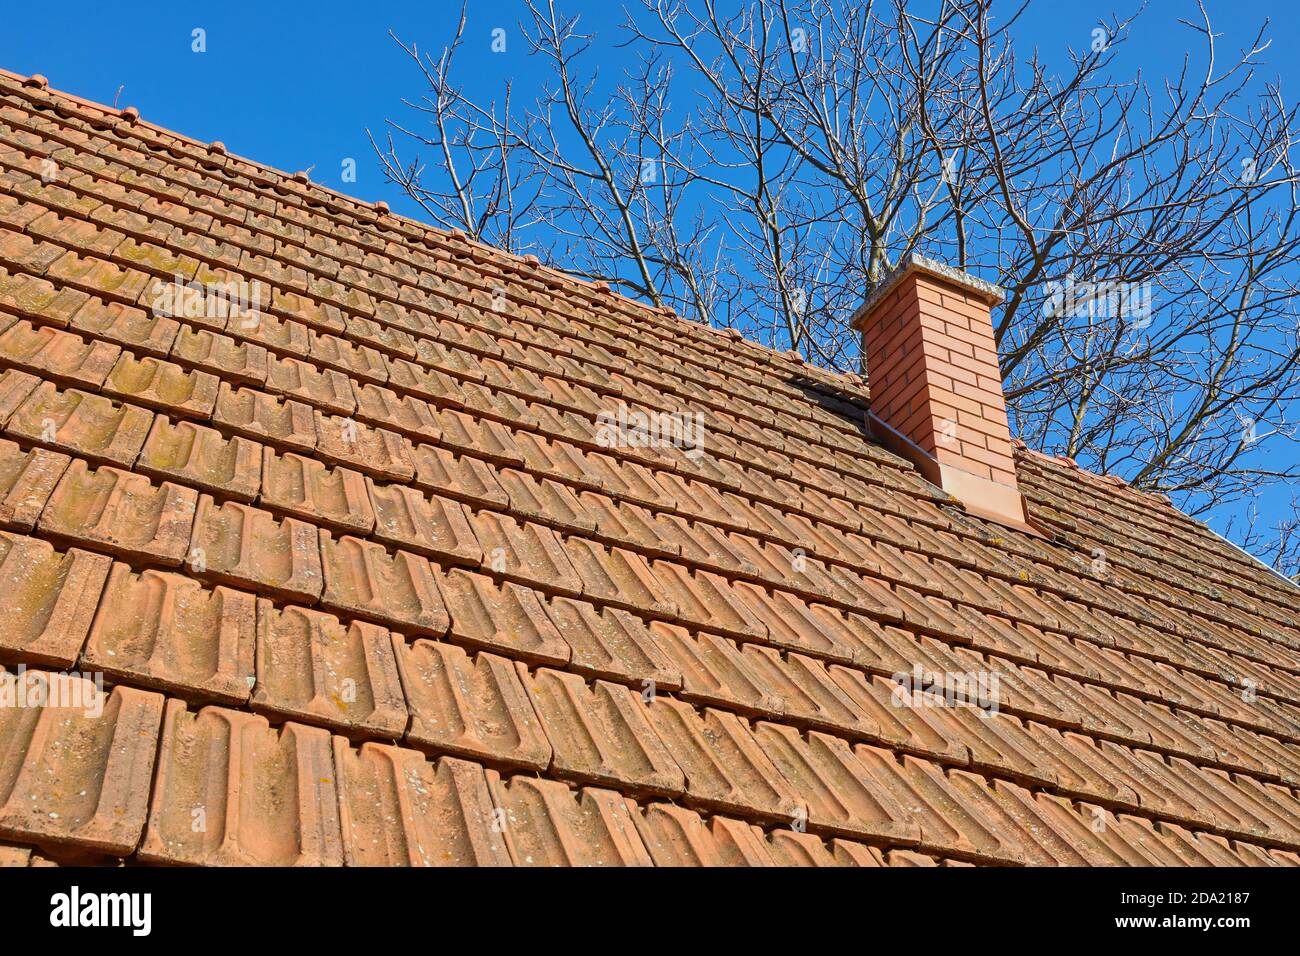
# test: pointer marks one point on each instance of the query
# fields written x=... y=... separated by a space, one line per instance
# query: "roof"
x=383 y=570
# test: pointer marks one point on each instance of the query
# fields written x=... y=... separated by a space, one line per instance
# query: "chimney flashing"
x=980 y=496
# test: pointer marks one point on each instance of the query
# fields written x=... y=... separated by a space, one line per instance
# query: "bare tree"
x=761 y=168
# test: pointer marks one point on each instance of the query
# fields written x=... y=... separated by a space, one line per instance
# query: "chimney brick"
x=936 y=388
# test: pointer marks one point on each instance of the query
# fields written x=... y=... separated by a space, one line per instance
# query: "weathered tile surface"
x=202 y=458
x=547 y=824
x=48 y=600
x=232 y=791
x=27 y=478
x=401 y=809
x=247 y=547
x=121 y=512
x=78 y=423
x=471 y=704
x=310 y=667
x=78 y=761
x=166 y=630
x=399 y=590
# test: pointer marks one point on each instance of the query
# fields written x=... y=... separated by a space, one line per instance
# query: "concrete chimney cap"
x=913 y=263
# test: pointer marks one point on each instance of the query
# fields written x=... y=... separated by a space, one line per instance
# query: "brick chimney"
x=936 y=390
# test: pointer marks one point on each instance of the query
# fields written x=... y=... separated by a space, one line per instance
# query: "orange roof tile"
x=370 y=579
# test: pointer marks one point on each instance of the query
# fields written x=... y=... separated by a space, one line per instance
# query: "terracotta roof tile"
x=563 y=462
x=58 y=356
x=1242 y=803
x=675 y=836
x=360 y=362
x=394 y=402
x=707 y=601
x=312 y=668
x=600 y=733
x=619 y=577
x=79 y=761
x=334 y=497
x=1091 y=830
x=1274 y=858
x=384 y=338
x=999 y=744
x=23 y=253
x=838 y=791
x=545 y=501
x=284 y=423
x=376 y=451
x=1007 y=817
x=27 y=479
x=472 y=705
x=231 y=790
x=806 y=692
x=714 y=671
x=430 y=525
x=482 y=438
x=547 y=824
x=22 y=856
x=1079 y=767
x=404 y=414
x=430 y=385
x=726 y=768
x=221 y=355
x=946 y=822
x=166 y=631
x=49 y=599
x=281 y=336
x=613 y=643
x=463 y=477
x=82 y=424
x=399 y=590
x=203 y=458
x=908 y=858
x=168 y=387
x=525 y=552
x=793 y=625
x=324 y=389
x=790 y=848
x=27 y=295
x=628 y=525
x=247 y=547
x=398 y=808
x=111 y=510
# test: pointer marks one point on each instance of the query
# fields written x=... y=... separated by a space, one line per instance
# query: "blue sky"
x=296 y=85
